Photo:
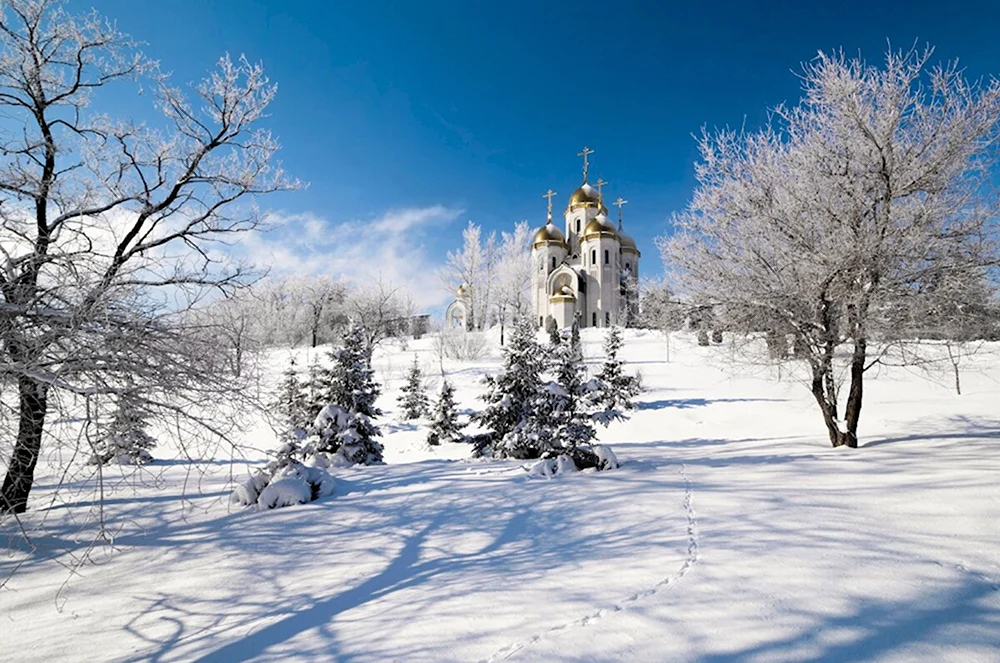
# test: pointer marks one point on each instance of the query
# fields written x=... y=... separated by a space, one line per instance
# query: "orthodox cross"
x=600 y=183
x=549 y=194
x=586 y=164
x=619 y=204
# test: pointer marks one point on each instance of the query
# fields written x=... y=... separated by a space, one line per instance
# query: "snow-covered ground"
x=732 y=532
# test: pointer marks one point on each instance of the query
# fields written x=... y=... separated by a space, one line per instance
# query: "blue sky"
x=419 y=116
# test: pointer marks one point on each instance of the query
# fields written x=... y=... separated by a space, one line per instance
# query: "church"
x=585 y=272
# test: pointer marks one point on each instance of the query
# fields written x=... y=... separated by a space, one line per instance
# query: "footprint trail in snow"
x=690 y=560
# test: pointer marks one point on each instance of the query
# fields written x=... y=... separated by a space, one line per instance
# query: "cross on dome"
x=586 y=164
x=549 y=194
x=619 y=203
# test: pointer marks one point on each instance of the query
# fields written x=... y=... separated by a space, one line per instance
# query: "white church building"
x=582 y=271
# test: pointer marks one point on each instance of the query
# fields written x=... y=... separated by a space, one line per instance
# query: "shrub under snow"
x=292 y=484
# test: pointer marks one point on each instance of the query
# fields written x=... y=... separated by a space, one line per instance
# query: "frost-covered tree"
x=466 y=267
x=126 y=441
x=513 y=276
x=111 y=225
x=876 y=182
x=413 y=397
x=617 y=388
x=444 y=422
x=345 y=425
x=513 y=394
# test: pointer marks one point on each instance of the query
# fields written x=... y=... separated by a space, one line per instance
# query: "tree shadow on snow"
x=968 y=429
x=966 y=615
x=685 y=403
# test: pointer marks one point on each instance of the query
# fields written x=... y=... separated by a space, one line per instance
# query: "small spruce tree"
x=292 y=405
x=574 y=340
x=552 y=329
x=445 y=427
x=512 y=396
x=565 y=418
x=126 y=441
x=348 y=389
x=412 y=398
x=617 y=388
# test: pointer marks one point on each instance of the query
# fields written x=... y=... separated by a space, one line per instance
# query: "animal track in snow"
x=690 y=560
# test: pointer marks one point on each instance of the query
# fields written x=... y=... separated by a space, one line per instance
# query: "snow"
x=732 y=531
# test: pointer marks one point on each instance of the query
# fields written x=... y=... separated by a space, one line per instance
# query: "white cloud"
x=390 y=247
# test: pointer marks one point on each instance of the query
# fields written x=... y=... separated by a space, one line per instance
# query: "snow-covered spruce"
x=344 y=425
x=617 y=388
x=291 y=406
x=126 y=441
x=412 y=398
x=530 y=417
x=444 y=426
x=512 y=397
x=567 y=409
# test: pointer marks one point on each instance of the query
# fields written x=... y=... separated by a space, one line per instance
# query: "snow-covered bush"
x=292 y=484
x=445 y=427
x=412 y=398
x=126 y=441
x=564 y=463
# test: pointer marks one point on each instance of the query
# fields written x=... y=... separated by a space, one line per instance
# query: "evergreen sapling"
x=512 y=396
x=445 y=427
x=126 y=441
x=413 y=399
x=616 y=387
x=345 y=423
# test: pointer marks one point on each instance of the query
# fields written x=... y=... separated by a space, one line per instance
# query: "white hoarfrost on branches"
x=110 y=227
x=496 y=273
x=854 y=205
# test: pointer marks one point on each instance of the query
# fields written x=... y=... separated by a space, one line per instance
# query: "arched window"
x=628 y=266
x=541 y=321
x=594 y=320
x=578 y=225
x=607 y=318
x=607 y=257
x=553 y=262
x=593 y=257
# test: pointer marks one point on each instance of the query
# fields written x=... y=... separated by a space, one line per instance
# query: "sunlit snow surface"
x=731 y=532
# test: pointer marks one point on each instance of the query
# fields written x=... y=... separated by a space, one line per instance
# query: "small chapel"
x=585 y=272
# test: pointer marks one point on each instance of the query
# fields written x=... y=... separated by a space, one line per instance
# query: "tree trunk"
x=829 y=410
x=21 y=471
x=853 y=412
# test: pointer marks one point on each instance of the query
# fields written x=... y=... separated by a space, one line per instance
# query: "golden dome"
x=585 y=196
x=548 y=233
x=598 y=227
x=628 y=244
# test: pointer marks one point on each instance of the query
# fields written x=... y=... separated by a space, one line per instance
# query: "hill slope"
x=732 y=532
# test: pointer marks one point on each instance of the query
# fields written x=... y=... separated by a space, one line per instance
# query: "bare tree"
x=110 y=227
x=872 y=186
